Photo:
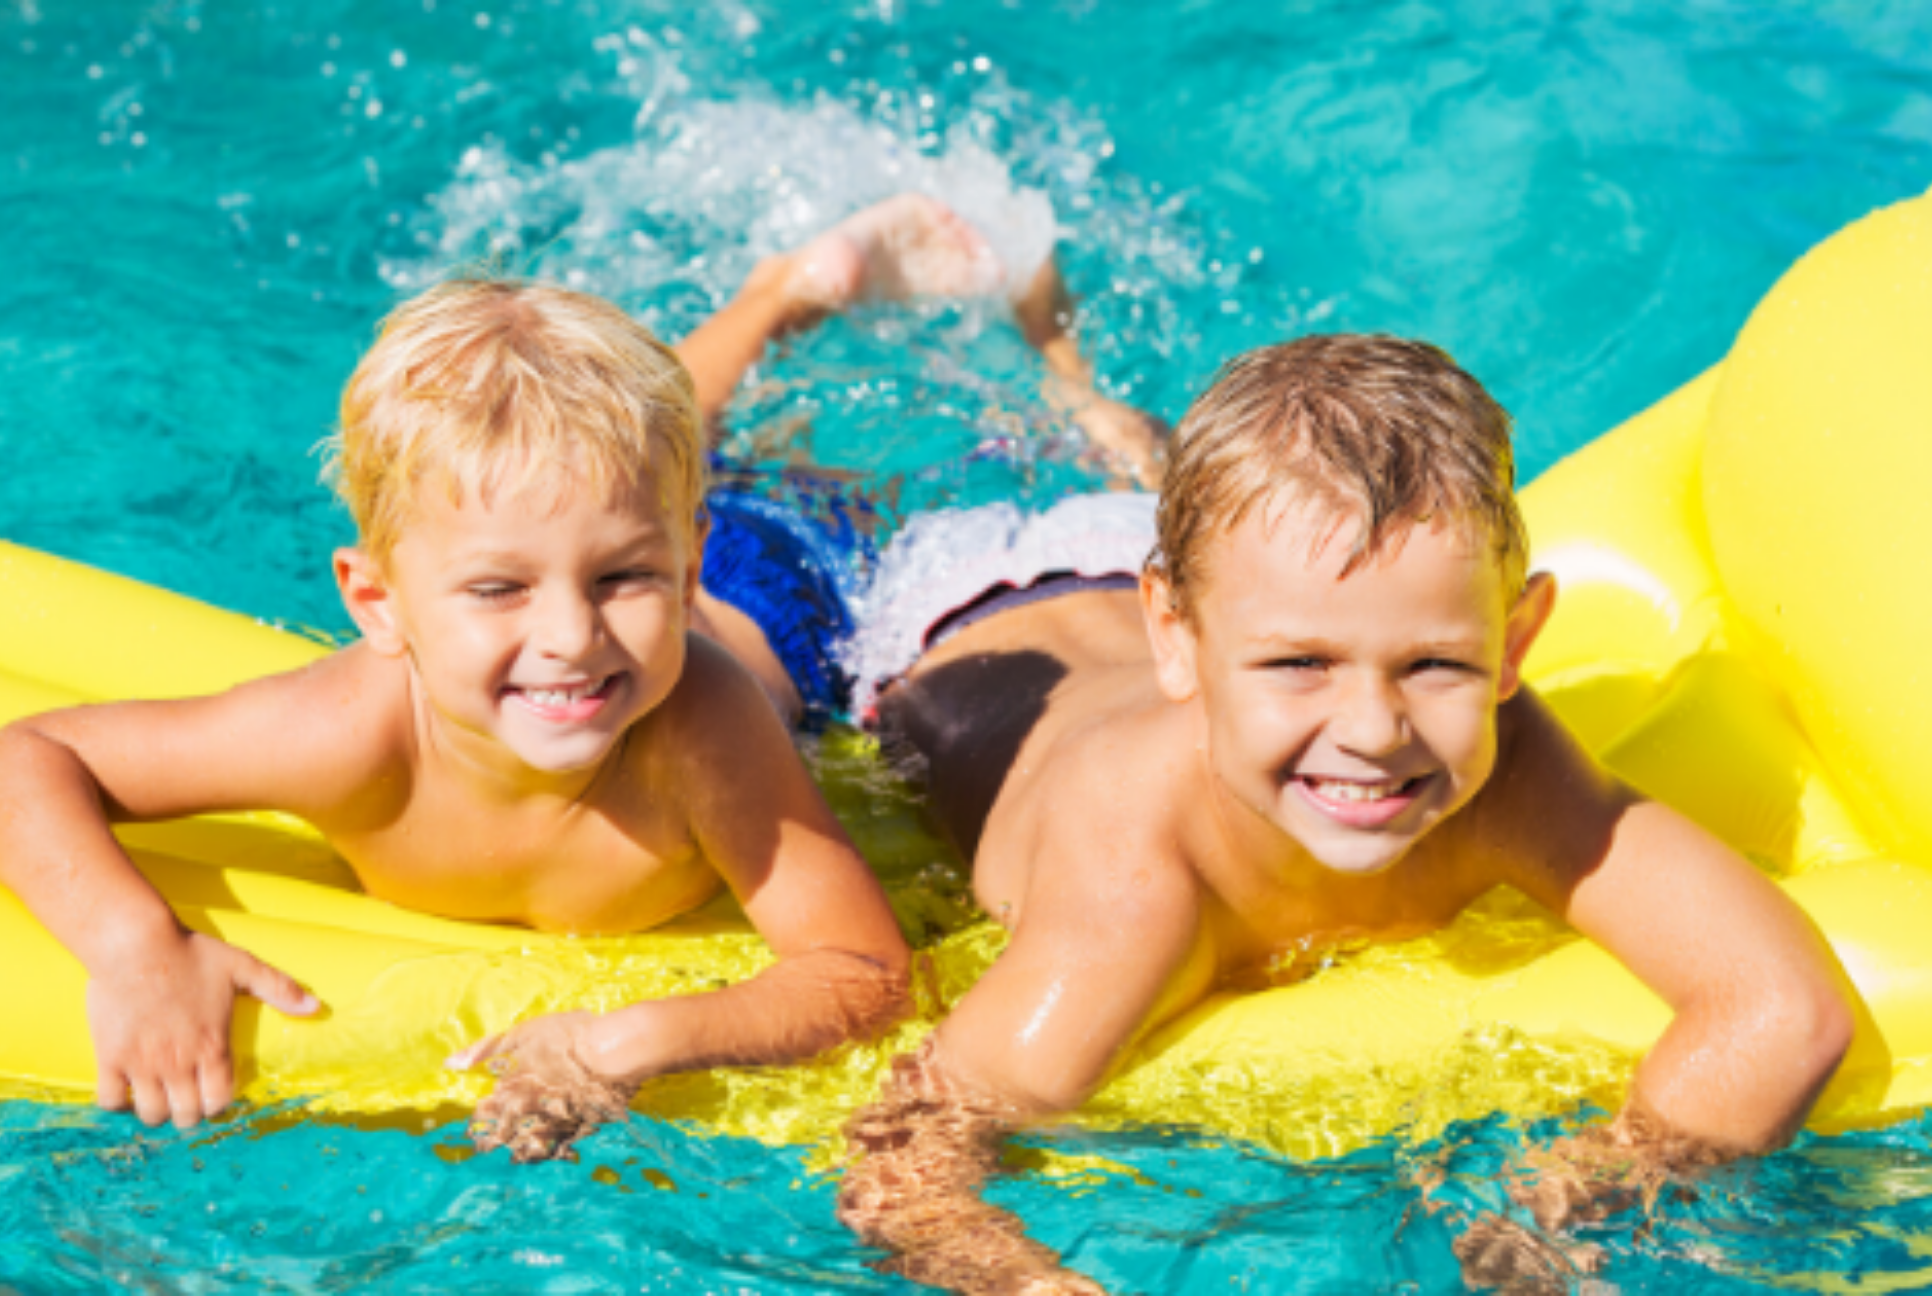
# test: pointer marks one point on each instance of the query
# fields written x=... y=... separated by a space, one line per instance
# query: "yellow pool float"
x=1740 y=633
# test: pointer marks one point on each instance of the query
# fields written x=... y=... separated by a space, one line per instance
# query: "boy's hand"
x=160 y=1026
x=1579 y=1179
x=546 y=1098
x=1601 y=1170
x=1498 y=1252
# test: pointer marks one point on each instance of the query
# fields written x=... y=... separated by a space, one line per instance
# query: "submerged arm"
x=925 y=1149
x=1102 y=949
x=1762 y=1011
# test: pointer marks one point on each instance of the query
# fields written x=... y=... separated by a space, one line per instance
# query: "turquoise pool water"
x=206 y=207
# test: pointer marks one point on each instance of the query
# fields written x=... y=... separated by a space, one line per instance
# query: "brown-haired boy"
x=1303 y=723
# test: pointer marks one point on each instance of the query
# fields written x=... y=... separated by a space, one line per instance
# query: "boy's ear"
x=694 y=562
x=1172 y=638
x=1526 y=621
x=366 y=595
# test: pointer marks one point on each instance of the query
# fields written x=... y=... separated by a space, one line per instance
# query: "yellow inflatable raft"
x=1740 y=632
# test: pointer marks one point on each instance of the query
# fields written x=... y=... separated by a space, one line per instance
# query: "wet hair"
x=488 y=386
x=1378 y=431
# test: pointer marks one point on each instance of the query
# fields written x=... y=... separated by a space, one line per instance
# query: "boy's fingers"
x=217 y=1087
x=110 y=1089
x=150 y=1100
x=184 y=1101
x=274 y=987
x=471 y=1054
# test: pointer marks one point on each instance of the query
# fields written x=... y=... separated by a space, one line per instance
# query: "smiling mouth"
x=565 y=702
x=1361 y=803
x=1359 y=791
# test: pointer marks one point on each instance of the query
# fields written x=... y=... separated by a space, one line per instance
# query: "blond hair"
x=1383 y=431
x=484 y=385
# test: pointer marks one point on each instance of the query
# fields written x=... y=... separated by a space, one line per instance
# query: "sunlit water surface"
x=206 y=208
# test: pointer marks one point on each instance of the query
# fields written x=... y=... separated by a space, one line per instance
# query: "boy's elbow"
x=1823 y=1022
x=16 y=738
x=1807 y=1027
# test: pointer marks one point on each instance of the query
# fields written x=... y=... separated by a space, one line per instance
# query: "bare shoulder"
x=1136 y=764
x=1548 y=813
x=1103 y=818
x=346 y=727
x=716 y=708
x=716 y=741
x=1091 y=876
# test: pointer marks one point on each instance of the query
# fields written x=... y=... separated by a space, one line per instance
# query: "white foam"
x=716 y=186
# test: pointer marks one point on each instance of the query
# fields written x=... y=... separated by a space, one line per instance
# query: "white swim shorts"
x=947 y=559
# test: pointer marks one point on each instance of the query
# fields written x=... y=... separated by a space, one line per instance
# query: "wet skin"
x=1158 y=803
x=1319 y=752
x=1309 y=700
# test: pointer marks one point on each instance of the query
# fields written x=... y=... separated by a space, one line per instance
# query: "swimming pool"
x=207 y=210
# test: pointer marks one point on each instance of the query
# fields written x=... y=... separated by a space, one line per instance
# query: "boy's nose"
x=569 y=627
x=1371 y=720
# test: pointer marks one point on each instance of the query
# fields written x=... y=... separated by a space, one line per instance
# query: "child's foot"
x=905 y=247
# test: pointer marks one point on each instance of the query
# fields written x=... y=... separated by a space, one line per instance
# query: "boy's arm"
x=1763 y=1011
x=159 y=996
x=760 y=820
x=1105 y=944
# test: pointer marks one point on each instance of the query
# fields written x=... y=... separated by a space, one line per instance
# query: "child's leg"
x=1045 y=313
x=905 y=247
x=718 y=351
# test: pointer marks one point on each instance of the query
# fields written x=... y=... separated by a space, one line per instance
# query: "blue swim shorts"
x=787 y=572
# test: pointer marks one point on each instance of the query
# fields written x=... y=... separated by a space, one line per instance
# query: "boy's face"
x=542 y=624
x=1352 y=713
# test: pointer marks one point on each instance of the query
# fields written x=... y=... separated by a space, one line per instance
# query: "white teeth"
x=562 y=697
x=1337 y=790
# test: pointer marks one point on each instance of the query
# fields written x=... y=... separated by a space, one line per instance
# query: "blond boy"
x=1303 y=723
x=531 y=730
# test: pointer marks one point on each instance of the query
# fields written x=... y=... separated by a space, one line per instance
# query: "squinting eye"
x=495 y=593
x=1299 y=663
x=1441 y=664
x=633 y=576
